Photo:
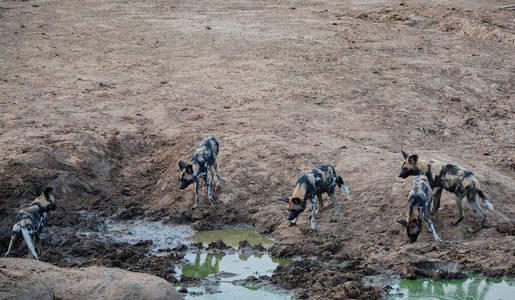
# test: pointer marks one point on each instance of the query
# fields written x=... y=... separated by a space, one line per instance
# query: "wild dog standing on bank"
x=310 y=186
x=452 y=178
x=203 y=159
x=29 y=221
x=419 y=199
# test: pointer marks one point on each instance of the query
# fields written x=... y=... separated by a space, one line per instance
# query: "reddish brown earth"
x=100 y=99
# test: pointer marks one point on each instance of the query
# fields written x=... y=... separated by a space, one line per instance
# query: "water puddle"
x=162 y=235
x=458 y=289
x=235 y=266
x=222 y=272
x=232 y=237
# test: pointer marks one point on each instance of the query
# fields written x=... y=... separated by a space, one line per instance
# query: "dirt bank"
x=30 y=279
x=101 y=99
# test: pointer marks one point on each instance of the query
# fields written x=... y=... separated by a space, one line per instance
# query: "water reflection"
x=240 y=265
x=481 y=289
x=203 y=267
x=231 y=237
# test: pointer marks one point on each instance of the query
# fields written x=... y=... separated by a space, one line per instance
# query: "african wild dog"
x=203 y=159
x=419 y=200
x=310 y=186
x=452 y=178
x=29 y=221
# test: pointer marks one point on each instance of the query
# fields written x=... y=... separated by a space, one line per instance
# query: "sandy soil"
x=25 y=279
x=100 y=99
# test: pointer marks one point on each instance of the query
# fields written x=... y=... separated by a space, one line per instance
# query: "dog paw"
x=313 y=230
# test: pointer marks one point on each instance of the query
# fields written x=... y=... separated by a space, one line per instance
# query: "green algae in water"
x=459 y=289
x=231 y=237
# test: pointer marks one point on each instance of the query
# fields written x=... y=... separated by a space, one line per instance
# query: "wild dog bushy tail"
x=339 y=182
x=485 y=200
x=342 y=185
x=28 y=240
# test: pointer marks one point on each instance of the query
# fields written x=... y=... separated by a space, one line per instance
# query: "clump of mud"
x=308 y=278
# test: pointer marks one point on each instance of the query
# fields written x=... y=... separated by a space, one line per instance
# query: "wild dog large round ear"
x=413 y=159
x=403 y=223
x=284 y=199
x=404 y=154
x=182 y=165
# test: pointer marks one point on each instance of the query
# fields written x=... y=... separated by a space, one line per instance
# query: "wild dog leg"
x=196 y=194
x=313 y=214
x=39 y=249
x=431 y=226
x=459 y=205
x=218 y=182
x=320 y=205
x=14 y=237
x=437 y=193
x=471 y=197
x=209 y=191
x=336 y=209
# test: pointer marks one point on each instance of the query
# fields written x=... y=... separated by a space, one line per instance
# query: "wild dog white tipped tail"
x=16 y=227
x=485 y=200
x=488 y=204
x=28 y=240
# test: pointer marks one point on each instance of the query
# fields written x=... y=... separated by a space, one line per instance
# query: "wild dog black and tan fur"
x=310 y=186
x=419 y=200
x=203 y=159
x=29 y=222
x=450 y=177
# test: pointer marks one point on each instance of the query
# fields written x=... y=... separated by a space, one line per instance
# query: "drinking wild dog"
x=310 y=186
x=203 y=159
x=419 y=200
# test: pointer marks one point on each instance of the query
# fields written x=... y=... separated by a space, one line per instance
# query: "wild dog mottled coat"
x=29 y=222
x=310 y=186
x=450 y=177
x=419 y=200
x=203 y=159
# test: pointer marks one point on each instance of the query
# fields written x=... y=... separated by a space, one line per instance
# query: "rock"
x=131 y=213
x=219 y=245
x=302 y=294
x=352 y=289
x=259 y=247
x=443 y=275
x=244 y=245
x=506 y=228
x=181 y=248
x=33 y=279
x=197 y=245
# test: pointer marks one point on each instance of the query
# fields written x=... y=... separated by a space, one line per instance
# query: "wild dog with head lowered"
x=203 y=159
x=29 y=222
x=310 y=186
x=450 y=177
x=419 y=199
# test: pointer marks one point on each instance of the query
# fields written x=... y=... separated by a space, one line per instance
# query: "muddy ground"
x=100 y=99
